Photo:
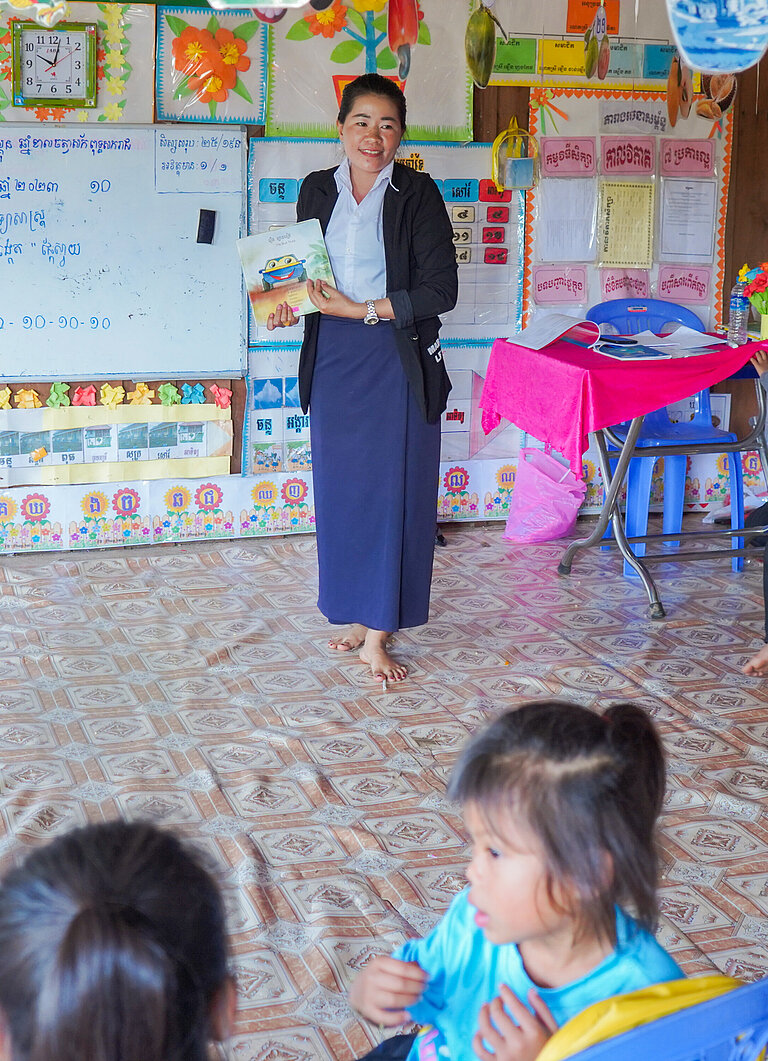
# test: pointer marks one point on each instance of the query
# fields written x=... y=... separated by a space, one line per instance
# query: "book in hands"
x=277 y=265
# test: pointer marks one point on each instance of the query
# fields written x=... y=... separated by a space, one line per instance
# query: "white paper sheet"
x=682 y=338
x=565 y=225
x=548 y=327
x=688 y=220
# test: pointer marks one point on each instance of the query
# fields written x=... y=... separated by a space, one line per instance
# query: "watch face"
x=54 y=67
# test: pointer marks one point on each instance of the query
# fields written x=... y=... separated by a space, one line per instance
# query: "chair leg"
x=736 y=482
x=674 y=495
x=639 y=479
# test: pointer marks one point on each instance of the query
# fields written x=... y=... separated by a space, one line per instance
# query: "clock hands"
x=65 y=56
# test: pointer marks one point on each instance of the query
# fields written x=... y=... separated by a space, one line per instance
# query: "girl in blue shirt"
x=560 y=804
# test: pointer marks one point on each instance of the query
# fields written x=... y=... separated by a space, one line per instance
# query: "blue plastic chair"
x=627 y=317
x=732 y=1027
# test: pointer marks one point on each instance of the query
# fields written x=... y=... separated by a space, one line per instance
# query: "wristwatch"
x=371 y=316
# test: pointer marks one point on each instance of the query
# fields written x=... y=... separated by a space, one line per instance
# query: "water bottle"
x=738 y=314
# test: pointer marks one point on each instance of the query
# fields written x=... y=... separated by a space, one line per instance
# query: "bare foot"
x=383 y=666
x=758 y=665
x=353 y=638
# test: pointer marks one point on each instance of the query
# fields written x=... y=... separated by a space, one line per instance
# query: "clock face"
x=54 y=67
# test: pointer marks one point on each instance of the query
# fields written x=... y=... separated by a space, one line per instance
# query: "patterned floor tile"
x=193 y=685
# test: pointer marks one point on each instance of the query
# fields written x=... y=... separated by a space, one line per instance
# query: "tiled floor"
x=192 y=684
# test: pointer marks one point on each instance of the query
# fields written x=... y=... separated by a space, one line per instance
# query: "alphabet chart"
x=488 y=226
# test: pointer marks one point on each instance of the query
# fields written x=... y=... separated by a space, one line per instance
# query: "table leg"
x=610 y=511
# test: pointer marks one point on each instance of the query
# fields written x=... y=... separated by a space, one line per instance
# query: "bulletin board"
x=105 y=266
x=477 y=471
x=628 y=205
x=488 y=225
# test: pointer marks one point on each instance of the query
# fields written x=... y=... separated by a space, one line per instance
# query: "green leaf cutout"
x=299 y=31
x=385 y=60
x=241 y=90
x=355 y=19
x=247 y=30
x=213 y=25
x=346 y=52
x=176 y=25
x=183 y=90
x=425 y=36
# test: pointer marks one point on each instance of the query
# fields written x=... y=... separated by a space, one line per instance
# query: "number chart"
x=487 y=225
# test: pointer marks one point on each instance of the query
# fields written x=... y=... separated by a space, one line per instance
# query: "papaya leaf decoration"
x=346 y=52
x=212 y=107
x=385 y=60
x=299 y=31
x=241 y=90
x=380 y=23
x=247 y=30
x=425 y=36
x=176 y=25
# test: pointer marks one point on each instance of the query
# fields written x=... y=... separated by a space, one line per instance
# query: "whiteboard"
x=101 y=271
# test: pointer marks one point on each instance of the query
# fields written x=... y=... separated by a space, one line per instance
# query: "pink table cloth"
x=563 y=392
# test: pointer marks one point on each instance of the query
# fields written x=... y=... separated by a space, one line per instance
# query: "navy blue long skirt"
x=375 y=466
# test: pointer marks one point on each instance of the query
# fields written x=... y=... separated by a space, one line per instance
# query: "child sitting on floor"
x=112 y=948
x=560 y=804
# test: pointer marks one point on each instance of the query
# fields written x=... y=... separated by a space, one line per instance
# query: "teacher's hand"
x=283 y=317
x=328 y=300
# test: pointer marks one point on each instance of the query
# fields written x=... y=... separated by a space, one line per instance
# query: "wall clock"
x=54 y=67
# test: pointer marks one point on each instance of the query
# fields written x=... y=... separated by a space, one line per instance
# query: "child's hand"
x=760 y=361
x=385 y=988
x=283 y=317
x=758 y=665
x=510 y=1029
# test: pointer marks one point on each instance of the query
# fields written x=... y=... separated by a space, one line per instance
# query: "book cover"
x=276 y=266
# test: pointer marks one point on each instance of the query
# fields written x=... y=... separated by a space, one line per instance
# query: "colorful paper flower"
x=192 y=395
x=84 y=395
x=329 y=22
x=193 y=50
x=222 y=396
x=28 y=399
x=111 y=396
x=58 y=396
x=141 y=396
x=231 y=50
x=168 y=393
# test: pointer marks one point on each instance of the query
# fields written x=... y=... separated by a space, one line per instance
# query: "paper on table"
x=565 y=225
x=682 y=338
x=551 y=326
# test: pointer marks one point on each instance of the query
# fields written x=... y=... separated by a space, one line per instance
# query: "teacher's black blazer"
x=422 y=277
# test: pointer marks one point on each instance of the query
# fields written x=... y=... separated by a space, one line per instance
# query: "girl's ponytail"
x=107 y=993
x=636 y=742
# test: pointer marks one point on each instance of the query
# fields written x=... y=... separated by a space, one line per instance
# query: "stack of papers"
x=683 y=342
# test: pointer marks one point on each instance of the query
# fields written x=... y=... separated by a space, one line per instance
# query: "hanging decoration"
x=719 y=36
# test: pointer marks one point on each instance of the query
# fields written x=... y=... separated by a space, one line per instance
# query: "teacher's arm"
x=434 y=285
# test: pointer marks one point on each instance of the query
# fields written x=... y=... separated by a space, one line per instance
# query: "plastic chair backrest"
x=731 y=1024
x=632 y=315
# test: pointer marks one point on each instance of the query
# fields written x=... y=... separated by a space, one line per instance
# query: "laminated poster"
x=626 y=224
x=276 y=266
x=688 y=220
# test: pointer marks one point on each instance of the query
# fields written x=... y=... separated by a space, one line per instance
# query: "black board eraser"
x=206 y=223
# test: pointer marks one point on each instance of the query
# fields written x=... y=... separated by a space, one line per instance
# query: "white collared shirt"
x=355 y=237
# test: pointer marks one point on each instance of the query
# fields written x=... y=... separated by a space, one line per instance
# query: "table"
x=564 y=392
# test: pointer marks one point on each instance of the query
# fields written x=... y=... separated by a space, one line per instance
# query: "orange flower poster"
x=210 y=66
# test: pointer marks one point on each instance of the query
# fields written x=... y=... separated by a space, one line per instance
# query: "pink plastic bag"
x=545 y=501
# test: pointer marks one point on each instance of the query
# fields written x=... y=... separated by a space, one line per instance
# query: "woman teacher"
x=371 y=371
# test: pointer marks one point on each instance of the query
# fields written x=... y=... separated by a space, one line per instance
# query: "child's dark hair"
x=372 y=85
x=586 y=785
x=112 y=948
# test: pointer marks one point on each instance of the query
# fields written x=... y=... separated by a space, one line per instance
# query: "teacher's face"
x=371 y=133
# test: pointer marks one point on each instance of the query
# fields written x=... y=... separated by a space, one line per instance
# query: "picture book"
x=276 y=266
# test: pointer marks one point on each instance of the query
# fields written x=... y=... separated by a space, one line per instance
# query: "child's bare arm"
x=385 y=988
